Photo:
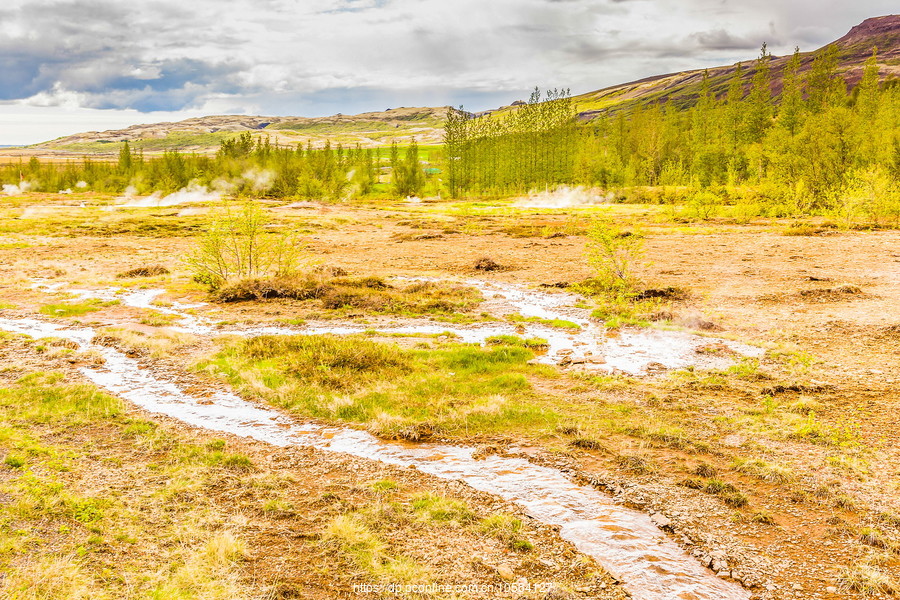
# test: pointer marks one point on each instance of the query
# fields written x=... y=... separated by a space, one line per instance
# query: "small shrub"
x=238 y=245
x=612 y=252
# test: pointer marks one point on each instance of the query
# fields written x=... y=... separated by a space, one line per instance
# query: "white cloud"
x=289 y=56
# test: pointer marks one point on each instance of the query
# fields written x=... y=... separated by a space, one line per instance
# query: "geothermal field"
x=438 y=397
x=641 y=342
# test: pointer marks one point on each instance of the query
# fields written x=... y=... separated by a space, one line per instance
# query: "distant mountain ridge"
x=425 y=123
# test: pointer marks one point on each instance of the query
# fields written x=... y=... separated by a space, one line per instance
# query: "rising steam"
x=193 y=193
x=564 y=197
x=14 y=190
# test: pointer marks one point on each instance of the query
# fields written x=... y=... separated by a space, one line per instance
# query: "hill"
x=682 y=89
x=205 y=133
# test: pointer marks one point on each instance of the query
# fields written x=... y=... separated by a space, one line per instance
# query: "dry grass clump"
x=297 y=288
x=635 y=464
x=349 y=535
x=329 y=361
x=51 y=579
x=867 y=580
x=586 y=443
x=488 y=264
x=834 y=293
x=763 y=471
x=362 y=293
x=145 y=271
x=137 y=343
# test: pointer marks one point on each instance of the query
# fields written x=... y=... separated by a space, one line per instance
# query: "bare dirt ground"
x=808 y=435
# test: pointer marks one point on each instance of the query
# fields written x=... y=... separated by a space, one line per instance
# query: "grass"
x=55 y=530
x=159 y=319
x=618 y=309
x=75 y=309
x=451 y=388
x=350 y=295
x=558 y=323
x=868 y=580
x=763 y=470
x=535 y=343
x=506 y=528
x=352 y=537
x=156 y=345
x=434 y=507
x=728 y=493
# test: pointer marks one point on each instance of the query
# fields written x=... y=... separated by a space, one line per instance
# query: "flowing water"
x=624 y=541
x=590 y=345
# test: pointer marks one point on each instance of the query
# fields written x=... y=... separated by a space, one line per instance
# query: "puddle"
x=624 y=541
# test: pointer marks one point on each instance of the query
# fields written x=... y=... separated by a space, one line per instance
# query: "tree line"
x=815 y=146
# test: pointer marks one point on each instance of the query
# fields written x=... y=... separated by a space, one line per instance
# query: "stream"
x=624 y=541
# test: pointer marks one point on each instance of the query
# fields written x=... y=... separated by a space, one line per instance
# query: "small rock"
x=660 y=520
x=719 y=565
x=506 y=572
x=797 y=587
x=831 y=589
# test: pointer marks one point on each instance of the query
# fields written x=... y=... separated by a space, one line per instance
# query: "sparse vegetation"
x=237 y=245
x=75 y=309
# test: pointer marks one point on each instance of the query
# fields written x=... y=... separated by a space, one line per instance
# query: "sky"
x=68 y=66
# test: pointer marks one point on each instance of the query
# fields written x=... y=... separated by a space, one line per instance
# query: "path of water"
x=624 y=541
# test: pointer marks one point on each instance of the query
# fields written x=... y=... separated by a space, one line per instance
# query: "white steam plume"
x=191 y=194
x=14 y=190
x=564 y=197
x=259 y=179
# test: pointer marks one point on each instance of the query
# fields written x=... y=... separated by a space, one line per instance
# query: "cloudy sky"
x=75 y=65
